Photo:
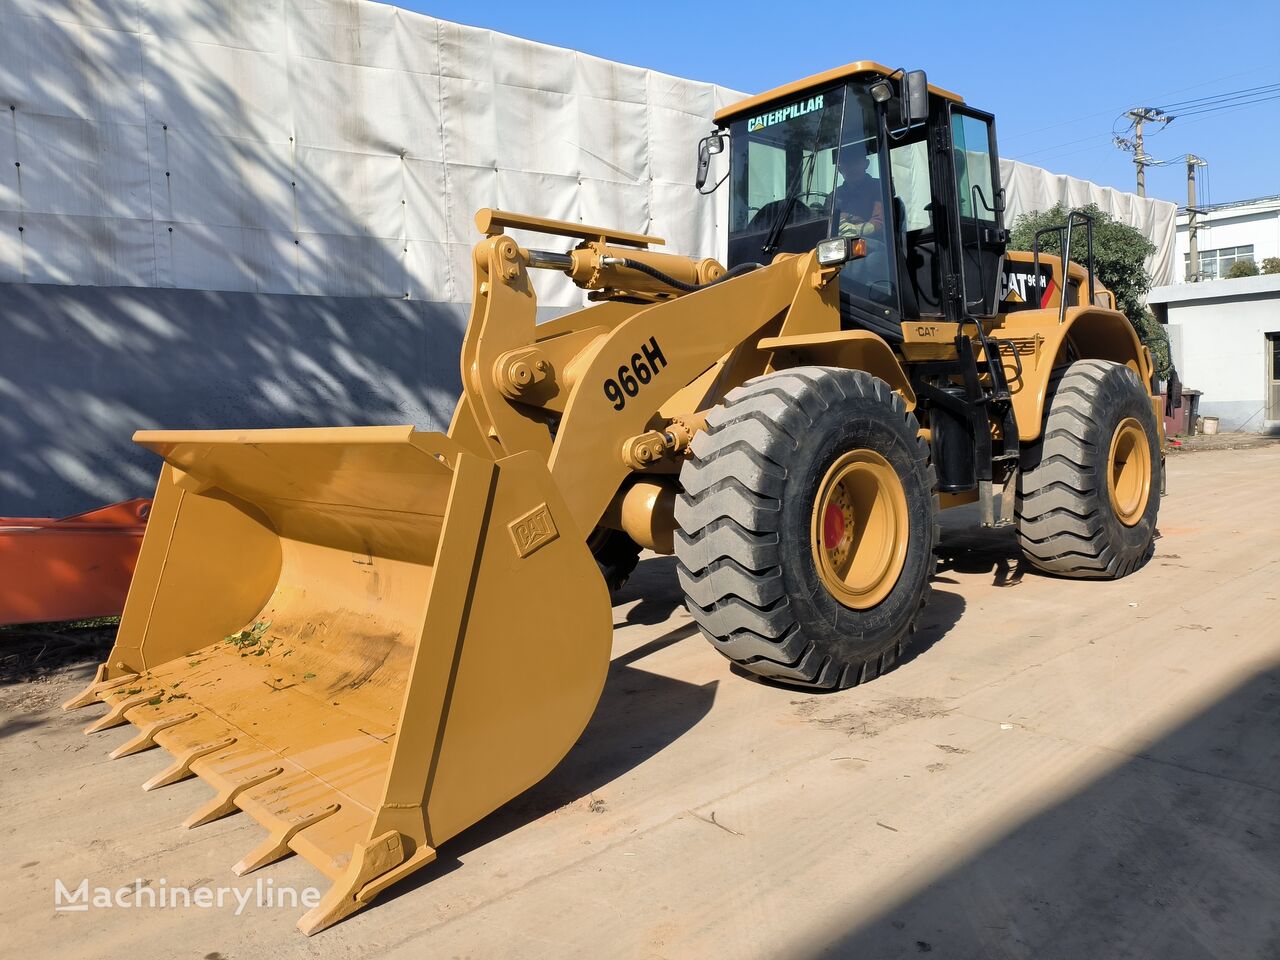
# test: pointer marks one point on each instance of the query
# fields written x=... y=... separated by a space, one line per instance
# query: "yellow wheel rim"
x=1129 y=471
x=859 y=529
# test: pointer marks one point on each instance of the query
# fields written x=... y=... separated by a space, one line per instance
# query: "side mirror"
x=711 y=143
x=915 y=98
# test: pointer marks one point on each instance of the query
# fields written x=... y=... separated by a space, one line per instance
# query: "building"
x=1225 y=336
x=1227 y=232
x=1225 y=333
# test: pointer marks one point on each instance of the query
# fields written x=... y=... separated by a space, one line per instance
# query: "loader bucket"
x=366 y=638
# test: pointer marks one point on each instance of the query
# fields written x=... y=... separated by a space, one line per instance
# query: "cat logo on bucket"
x=789 y=112
x=533 y=530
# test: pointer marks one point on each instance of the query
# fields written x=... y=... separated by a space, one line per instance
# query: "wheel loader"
x=369 y=638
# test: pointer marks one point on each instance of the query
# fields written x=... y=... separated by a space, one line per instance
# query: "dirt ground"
x=1203 y=442
x=1062 y=769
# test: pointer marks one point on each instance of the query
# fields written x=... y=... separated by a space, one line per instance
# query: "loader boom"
x=611 y=386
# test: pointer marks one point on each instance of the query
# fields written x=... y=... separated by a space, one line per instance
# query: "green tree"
x=1120 y=254
x=1271 y=265
x=1242 y=268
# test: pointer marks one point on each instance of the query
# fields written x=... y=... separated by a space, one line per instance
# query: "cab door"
x=979 y=207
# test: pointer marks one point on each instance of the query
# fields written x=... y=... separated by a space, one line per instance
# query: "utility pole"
x=1137 y=117
x=1139 y=158
x=1193 y=261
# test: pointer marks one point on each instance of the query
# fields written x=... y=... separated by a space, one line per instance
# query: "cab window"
x=861 y=206
x=919 y=264
x=910 y=162
x=971 y=140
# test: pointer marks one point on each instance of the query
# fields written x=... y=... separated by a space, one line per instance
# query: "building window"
x=1216 y=263
x=1273 y=395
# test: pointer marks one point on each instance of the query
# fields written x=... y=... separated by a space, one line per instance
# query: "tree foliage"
x=1242 y=268
x=1120 y=254
x=1271 y=265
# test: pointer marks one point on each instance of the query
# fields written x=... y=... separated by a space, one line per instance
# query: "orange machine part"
x=69 y=568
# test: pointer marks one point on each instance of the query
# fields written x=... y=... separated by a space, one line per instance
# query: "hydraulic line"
x=671 y=281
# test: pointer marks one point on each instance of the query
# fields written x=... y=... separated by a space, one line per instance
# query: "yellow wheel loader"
x=370 y=638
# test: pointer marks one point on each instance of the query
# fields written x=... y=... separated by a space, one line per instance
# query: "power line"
x=1213 y=108
x=1211 y=115
x=1067 y=143
x=1182 y=104
x=1200 y=108
x=1055 y=157
x=1086 y=144
x=1103 y=113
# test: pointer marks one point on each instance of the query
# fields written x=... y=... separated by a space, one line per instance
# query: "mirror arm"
x=714 y=187
x=704 y=161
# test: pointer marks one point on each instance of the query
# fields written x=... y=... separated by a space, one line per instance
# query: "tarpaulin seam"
x=451 y=281
x=146 y=133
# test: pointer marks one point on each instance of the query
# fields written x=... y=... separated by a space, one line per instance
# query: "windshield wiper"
x=784 y=214
x=803 y=175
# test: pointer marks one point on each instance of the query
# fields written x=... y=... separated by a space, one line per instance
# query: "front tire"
x=1089 y=488
x=807 y=522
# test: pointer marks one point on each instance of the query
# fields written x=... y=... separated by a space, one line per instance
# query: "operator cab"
x=865 y=151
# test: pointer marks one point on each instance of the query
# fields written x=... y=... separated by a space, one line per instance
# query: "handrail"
x=1073 y=217
x=492 y=222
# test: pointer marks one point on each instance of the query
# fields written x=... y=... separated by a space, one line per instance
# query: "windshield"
x=810 y=168
x=804 y=170
x=784 y=163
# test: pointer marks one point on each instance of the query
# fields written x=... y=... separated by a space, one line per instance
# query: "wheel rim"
x=859 y=530
x=1129 y=471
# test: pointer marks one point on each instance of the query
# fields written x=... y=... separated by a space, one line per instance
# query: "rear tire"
x=1089 y=489
x=749 y=542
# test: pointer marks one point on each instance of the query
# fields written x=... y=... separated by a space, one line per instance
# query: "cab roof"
x=858 y=67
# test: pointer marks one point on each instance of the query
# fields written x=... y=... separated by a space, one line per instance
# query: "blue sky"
x=1056 y=75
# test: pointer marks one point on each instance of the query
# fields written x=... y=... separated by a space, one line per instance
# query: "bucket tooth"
x=374 y=867
x=146 y=737
x=96 y=688
x=115 y=716
x=276 y=845
x=180 y=769
x=224 y=801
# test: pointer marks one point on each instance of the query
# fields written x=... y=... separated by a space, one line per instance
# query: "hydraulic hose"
x=680 y=284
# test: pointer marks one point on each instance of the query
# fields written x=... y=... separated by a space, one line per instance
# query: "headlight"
x=838 y=250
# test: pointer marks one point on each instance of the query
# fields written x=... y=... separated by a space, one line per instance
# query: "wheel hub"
x=860 y=529
x=833 y=526
x=1129 y=471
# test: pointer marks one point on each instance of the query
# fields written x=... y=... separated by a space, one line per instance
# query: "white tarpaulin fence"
x=1029 y=188
x=341 y=147
x=332 y=147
